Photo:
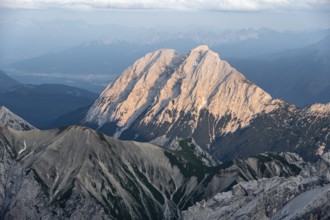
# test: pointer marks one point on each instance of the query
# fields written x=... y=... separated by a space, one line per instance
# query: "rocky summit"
x=165 y=95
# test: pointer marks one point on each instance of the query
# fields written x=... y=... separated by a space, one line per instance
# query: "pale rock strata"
x=167 y=90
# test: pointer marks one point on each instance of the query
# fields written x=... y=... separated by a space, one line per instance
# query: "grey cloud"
x=214 y=5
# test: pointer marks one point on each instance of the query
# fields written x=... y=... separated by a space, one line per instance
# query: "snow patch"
x=24 y=148
x=320 y=150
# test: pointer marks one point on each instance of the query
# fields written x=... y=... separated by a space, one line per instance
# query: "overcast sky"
x=214 y=5
x=276 y=14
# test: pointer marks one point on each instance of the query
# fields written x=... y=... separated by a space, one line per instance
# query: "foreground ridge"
x=305 y=196
x=77 y=173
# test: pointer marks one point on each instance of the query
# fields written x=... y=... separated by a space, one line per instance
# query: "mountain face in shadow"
x=6 y=82
x=42 y=104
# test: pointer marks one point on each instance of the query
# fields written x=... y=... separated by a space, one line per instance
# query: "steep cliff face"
x=166 y=95
x=9 y=119
x=305 y=131
x=306 y=196
x=77 y=173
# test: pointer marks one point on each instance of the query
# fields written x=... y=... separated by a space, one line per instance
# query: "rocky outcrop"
x=305 y=196
x=77 y=173
x=7 y=118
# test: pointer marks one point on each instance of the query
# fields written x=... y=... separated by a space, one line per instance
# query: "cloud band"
x=214 y=5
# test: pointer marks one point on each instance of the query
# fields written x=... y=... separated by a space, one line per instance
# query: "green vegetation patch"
x=44 y=186
x=294 y=168
x=263 y=158
x=191 y=164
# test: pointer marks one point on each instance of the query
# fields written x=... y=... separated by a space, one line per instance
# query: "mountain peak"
x=176 y=95
x=9 y=119
x=201 y=48
x=4 y=109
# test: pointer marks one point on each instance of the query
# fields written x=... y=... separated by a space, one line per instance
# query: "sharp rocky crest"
x=165 y=93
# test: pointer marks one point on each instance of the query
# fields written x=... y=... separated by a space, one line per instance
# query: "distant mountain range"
x=299 y=76
x=42 y=104
x=93 y=64
x=6 y=82
x=90 y=65
x=64 y=34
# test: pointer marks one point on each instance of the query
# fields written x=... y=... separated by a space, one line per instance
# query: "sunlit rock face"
x=166 y=95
